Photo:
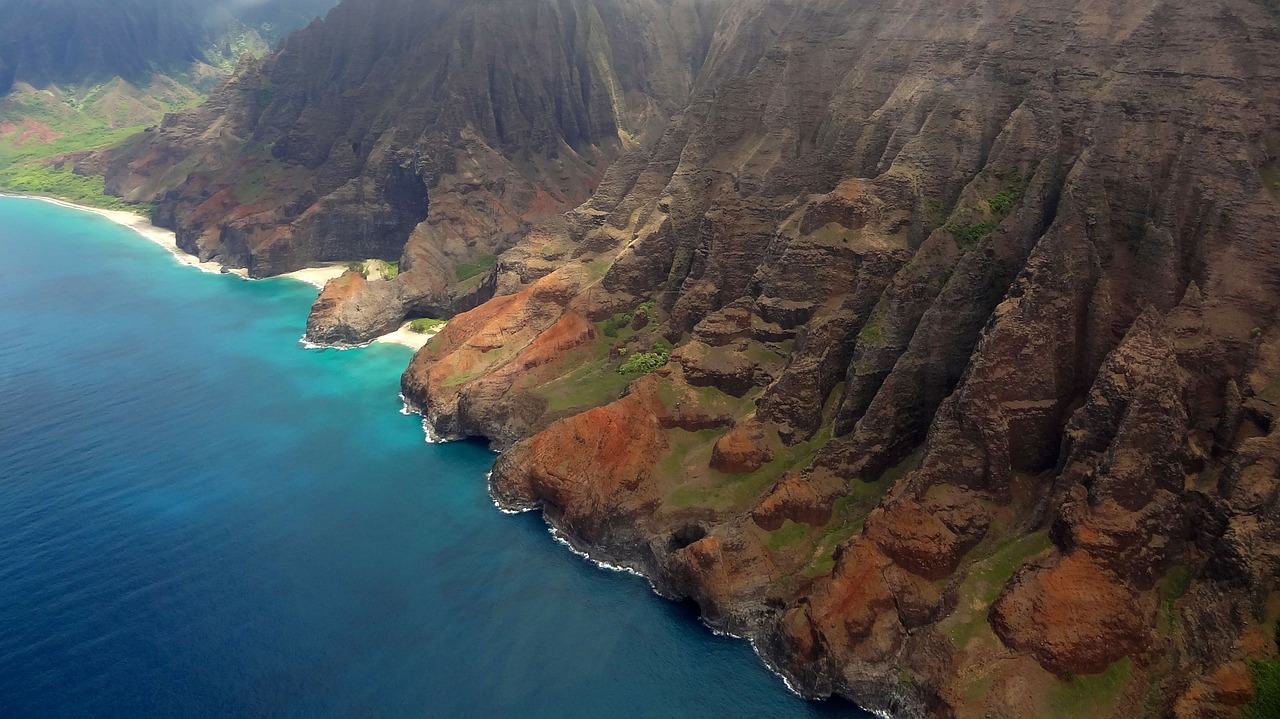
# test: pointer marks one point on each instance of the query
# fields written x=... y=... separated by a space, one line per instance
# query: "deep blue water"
x=200 y=518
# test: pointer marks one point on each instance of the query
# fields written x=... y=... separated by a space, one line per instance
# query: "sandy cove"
x=315 y=276
x=409 y=338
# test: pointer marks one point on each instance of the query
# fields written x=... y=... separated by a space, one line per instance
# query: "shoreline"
x=142 y=226
x=407 y=337
x=314 y=276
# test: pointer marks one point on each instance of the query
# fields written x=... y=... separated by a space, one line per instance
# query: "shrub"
x=62 y=182
x=1177 y=583
x=611 y=326
x=645 y=362
x=615 y=324
x=968 y=235
x=423 y=325
x=467 y=270
x=1266 y=679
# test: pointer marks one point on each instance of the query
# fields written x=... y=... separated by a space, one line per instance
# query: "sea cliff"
x=930 y=346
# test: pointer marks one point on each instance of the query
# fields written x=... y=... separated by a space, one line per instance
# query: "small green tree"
x=645 y=362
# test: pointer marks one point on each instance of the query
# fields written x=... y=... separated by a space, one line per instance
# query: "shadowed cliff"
x=75 y=42
x=506 y=113
x=930 y=345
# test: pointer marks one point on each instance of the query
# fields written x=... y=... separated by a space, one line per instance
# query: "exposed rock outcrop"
x=956 y=382
x=503 y=114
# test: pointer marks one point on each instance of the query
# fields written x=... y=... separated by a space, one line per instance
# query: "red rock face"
x=1054 y=329
x=590 y=468
x=968 y=319
x=742 y=450
x=1074 y=616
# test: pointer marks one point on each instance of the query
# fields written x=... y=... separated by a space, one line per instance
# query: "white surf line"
x=142 y=226
x=314 y=276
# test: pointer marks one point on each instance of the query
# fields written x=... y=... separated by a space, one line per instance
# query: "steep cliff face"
x=77 y=76
x=433 y=133
x=77 y=42
x=73 y=41
x=931 y=345
x=969 y=306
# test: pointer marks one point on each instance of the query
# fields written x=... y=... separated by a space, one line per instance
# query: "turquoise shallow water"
x=200 y=518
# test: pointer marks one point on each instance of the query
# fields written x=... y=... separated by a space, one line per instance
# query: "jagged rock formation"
x=74 y=42
x=963 y=318
x=78 y=75
x=436 y=134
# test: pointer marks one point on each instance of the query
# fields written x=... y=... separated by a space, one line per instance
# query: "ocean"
x=201 y=518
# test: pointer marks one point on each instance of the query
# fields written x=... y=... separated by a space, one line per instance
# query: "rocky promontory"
x=931 y=346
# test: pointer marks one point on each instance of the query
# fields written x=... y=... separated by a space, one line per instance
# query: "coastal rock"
x=502 y=114
x=344 y=314
x=588 y=471
x=957 y=378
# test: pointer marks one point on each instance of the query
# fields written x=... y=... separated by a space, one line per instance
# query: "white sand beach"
x=409 y=338
x=319 y=275
x=141 y=225
x=315 y=276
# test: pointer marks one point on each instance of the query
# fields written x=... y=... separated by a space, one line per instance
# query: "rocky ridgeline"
x=930 y=345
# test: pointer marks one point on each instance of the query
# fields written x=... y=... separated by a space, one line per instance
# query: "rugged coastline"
x=933 y=347
x=318 y=276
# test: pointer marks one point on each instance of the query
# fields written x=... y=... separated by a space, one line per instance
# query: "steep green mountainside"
x=84 y=74
x=931 y=344
x=78 y=42
x=506 y=113
x=46 y=42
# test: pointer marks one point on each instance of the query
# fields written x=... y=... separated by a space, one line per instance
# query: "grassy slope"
x=39 y=125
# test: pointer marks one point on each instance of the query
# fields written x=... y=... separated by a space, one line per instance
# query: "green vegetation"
x=968 y=235
x=1004 y=200
x=687 y=460
x=789 y=533
x=976 y=688
x=53 y=122
x=619 y=322
x=849 y=513
x=1088 y=696
x=872 y=333
x=467 y=270
x=611 y=326
x=1266 y=680
x=251 y=186
x=90 y=139
x=599 y=267
x=593 y=382
x=1271 y=178
x=985 y=579
x=825 y=552
x=60 y=182
x=382 y=268
x=645 y=362
x=993 y=572
x=423 y=325
x=1176 y=584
